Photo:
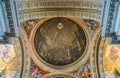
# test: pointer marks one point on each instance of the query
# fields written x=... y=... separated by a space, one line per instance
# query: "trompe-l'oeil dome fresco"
x=60 y=41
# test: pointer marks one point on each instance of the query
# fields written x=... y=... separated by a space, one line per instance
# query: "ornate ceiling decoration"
x=59 y=75
x=10 y=59
x=87 y=9
x=58 y=43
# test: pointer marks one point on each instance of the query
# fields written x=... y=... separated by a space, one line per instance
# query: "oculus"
x=60 y=41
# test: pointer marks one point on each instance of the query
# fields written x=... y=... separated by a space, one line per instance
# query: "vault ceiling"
x=86 y=9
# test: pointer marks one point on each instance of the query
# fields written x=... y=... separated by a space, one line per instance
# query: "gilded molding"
x=26 y=52
x=60 y=75
x=59 y=9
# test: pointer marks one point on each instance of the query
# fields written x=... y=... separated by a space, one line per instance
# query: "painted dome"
x=60 y=41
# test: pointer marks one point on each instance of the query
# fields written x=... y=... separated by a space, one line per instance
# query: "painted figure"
x=35 y=73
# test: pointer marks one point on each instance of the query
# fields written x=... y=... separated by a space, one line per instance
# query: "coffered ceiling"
x=86 y=9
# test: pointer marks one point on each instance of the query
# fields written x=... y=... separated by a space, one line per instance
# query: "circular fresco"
x=60 y=41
